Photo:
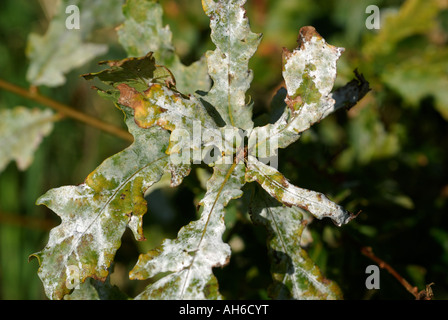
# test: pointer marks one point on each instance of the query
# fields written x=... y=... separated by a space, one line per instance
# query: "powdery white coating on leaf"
x=315 y=57
x=295 y=275
x=80 y=241
x=95 y=214
x=181 y=112
x=279 y=187
x=186 y=117
x=198 y=247
x=228 y=64
x=191 y=256
x=309 y=72
x=143 y=30
x=21 y=132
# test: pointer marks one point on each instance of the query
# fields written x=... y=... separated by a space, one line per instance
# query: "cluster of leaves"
x=396 y=142
x=96 y=213
x=386 y=158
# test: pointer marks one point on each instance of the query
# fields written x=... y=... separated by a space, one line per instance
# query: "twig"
x=425 y=294
x=66 y=110
x=26 y=221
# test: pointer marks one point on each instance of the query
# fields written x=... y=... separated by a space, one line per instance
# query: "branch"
x=26 y=221
x=67 y=111
x=425 y=294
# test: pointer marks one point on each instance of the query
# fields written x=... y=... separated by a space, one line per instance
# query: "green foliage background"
x=388 y=156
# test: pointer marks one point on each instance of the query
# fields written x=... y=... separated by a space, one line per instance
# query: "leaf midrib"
x=288 y=191
x=226 y=179
x=284 y=246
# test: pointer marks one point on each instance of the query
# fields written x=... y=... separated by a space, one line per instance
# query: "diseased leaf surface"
x=93 y=289
x=136 y=72
x=295 y=275
x=228 y=63
x=167 y=121
x=96 y=213
x=279 y=187
x=309 y=72
x=198 y=247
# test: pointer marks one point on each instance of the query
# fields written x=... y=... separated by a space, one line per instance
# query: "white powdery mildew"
x=295 y=275
x=279 y=187
x=315 y=61
x=290 y=228
x=188 y=116
x=95 y=214
x=82 y=216
x=84 y=231
x=190 y=259
x=184 y=112
x=318 y=59
x=228 y=64
x=188 y=248
x=68 y=202
x=199 y=246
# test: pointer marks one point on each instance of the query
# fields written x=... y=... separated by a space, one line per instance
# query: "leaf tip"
x=305 y=35
x=41 y=201
x=34 y=256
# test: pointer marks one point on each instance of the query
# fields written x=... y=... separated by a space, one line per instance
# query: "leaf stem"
x=67 y=111
x=26 y=221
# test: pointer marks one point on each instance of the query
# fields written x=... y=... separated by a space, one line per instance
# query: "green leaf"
x=194 y=133
x=295 y=275
x=143 y=31
x=160 y=105
x=421 y=76
x=228 y=63
x=61 y=49
x=96 y=213
x=281 y=189
x=414 y=17
x=21 y=132
x=198 y=248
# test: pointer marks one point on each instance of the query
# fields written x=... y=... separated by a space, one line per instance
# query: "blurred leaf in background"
x=22 y=130
x=70 y=152
x=62 y=49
